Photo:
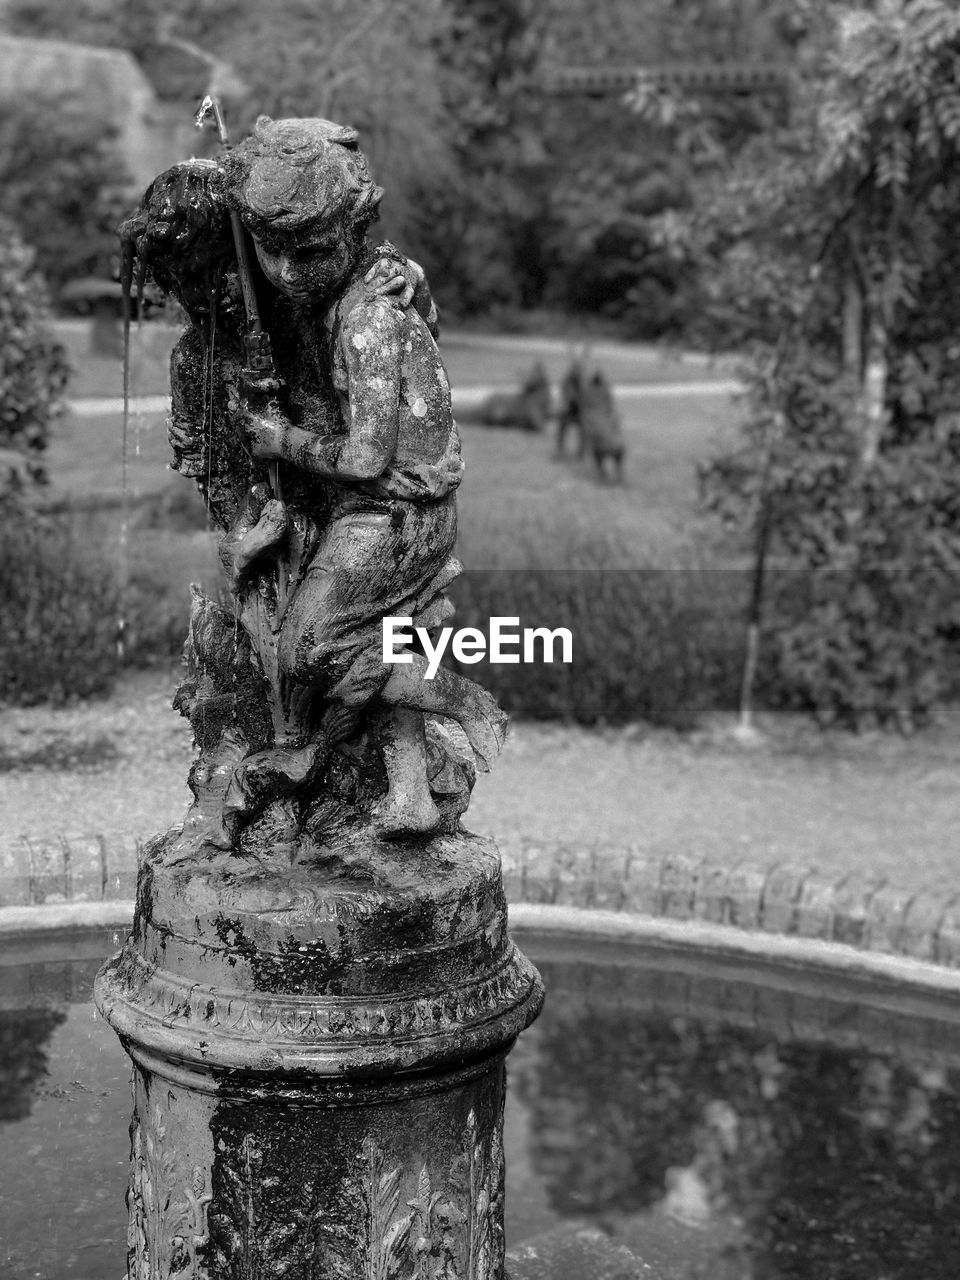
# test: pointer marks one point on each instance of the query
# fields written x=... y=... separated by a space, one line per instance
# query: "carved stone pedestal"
x=319 y=1062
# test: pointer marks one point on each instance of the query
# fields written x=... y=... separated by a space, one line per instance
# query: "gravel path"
x=876 y=805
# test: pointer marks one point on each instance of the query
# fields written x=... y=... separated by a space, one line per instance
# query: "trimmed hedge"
x=661 y=645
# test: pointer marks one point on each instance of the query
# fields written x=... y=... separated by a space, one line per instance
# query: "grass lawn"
x=879 y=807
x=471 y=360
x=873 y=804
x=518 y=506
x=520 y=509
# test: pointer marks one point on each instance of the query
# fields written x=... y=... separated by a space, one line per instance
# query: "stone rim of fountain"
x=860 y=912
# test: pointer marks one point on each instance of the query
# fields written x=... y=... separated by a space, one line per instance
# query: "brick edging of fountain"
x=69 y=881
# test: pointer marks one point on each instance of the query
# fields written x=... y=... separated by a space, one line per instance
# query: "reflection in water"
x=785 y=1159
x=23 y=1057
x=722 y=1137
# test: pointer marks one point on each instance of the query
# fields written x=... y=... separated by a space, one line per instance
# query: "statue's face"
x=309 y=272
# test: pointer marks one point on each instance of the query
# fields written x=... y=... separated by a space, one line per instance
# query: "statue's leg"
x=317 y=649
x=453 y=695
x=408 y=807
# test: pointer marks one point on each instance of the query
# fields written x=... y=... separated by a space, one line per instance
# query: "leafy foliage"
x=837 y=264
x=59 y=181
x=514 y=198
x=660 y=645
x=487 y=246
x=370 y=64
x=58 y=622
x=33 y=369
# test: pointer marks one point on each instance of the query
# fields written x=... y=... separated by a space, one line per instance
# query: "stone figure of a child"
x=390 y=465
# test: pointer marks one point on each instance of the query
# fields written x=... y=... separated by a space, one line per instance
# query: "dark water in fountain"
x=723 y=1122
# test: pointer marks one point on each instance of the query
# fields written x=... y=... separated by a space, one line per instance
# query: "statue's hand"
x=265 y=435
x=394 y=278
x=186 y=440
x=259 y=392
x=183 y=434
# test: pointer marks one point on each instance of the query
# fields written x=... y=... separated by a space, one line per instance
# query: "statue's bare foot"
x=407 y=813
x=200 y=830
x=408 y=808
x=270 y=530
x=484 y=723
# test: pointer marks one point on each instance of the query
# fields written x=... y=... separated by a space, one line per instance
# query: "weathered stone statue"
x=332 y=467
x=319 y=991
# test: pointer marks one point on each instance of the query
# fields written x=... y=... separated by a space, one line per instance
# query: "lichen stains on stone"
x=297 y=967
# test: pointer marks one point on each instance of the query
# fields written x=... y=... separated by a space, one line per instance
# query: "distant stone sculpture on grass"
x=588 y=408
x=529 y=409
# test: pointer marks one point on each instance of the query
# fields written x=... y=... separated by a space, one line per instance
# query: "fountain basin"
x=710 y=1101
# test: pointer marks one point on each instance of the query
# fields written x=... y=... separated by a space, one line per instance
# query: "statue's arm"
x=370 y=346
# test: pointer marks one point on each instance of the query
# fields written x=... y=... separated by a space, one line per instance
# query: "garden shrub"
x=661 y=645
x=861 y=631
x=65 y=590
x=854 y=658
x=58 y=624
x=864 y=650
x=156 y=611
x=59 y=605
x=33 y=367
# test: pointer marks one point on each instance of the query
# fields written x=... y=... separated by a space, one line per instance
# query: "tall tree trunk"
x=874 y=389
x=762 y=532
x=852 y=326
x=755 y=615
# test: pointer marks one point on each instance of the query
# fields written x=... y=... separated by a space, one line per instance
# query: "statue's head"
x=303 y=191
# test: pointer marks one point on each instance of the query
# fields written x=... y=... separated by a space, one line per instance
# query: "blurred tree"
x=622 y=165
x=512 y=197
x=488 y=244
x=831 y=250
x=60 y=178
x=33 y=369
x=368 y=62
